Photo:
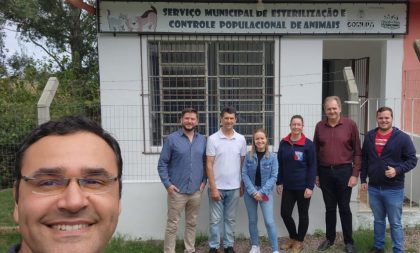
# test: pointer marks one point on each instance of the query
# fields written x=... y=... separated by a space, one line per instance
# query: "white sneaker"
x=255 y=249
x=275 y=252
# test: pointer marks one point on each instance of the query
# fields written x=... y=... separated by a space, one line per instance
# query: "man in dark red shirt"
x=339 y=158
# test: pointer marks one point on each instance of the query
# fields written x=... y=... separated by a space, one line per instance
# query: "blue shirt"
x=182 y=163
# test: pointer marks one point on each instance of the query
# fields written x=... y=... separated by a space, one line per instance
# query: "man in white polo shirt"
x=225 y=152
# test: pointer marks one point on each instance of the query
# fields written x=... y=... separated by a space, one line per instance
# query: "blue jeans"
x=387 y=202
x=224 y=209
x=267 y=211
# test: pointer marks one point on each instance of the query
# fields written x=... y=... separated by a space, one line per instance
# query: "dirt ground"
x=412 y=241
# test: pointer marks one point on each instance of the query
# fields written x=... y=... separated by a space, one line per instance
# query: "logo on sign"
x=390 y=22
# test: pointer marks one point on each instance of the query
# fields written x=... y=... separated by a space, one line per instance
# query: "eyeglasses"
x=54 y=185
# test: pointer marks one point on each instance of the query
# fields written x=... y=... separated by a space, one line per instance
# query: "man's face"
x=189 y=121
x=332 y=110
x=71 y=221
x=384 y=120
x=228 y=120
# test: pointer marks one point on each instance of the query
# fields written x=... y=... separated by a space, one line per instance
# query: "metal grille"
x=209 y=76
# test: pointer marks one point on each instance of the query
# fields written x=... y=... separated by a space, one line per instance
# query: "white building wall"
x=392 y=88
x=300 y=82
x=122 y=76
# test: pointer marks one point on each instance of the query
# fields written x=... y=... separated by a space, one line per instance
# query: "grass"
x=364 y=240
x=7 y=239
x=7 y=204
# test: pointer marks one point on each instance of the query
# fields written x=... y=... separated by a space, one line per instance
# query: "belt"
x=338 y=166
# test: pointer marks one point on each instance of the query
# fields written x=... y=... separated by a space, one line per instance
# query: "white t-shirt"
x=227 y=154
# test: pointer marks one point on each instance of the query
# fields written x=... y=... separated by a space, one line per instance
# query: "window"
x=209 y=76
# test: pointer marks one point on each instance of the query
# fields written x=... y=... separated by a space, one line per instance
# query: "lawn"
x=6 y=200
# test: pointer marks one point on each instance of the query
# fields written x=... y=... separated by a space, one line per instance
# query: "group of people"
x=68 y=181
x=333 y=162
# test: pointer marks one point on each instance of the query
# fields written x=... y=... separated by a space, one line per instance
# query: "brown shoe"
x=287 y=245
x=297 y=247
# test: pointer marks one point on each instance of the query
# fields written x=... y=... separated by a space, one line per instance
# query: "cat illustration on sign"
x=122 y=22
x=145 y=22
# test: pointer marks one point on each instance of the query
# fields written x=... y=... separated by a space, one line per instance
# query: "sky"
x=14 y=44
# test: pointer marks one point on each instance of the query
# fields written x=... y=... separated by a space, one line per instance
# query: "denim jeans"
x=223 y=210
x=267 y=211
x=387 y=202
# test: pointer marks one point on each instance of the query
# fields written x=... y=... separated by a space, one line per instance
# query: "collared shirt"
x=339 y=144
x=227 y=153
x=182 y=163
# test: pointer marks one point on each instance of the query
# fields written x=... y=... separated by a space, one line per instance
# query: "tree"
x=3 y=70
x=65 y=33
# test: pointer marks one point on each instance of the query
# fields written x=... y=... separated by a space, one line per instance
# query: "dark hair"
x=296 y=117
x=229 y=110
x=383 y=109
x=64 y=126
x=188 y=110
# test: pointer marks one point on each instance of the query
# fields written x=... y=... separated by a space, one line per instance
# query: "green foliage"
x=7 y=239
x=66 y=34
x=123 y=244
x=318 y=233
x=364 y=240
x=7 y=204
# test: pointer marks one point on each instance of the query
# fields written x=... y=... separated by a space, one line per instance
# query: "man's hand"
x=279 y=189
x=215 y=195
x=171 y=189
x=308 y=193
x=364 y=186
x=352 y=181
x=317 y=181
x=390 y=172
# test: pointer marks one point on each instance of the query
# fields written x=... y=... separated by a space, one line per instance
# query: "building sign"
x=228 y=18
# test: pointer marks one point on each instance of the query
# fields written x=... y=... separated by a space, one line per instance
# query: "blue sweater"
x=398 y=152
x=297 y=164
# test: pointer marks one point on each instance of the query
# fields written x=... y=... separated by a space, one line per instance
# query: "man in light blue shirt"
x=181 y=169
